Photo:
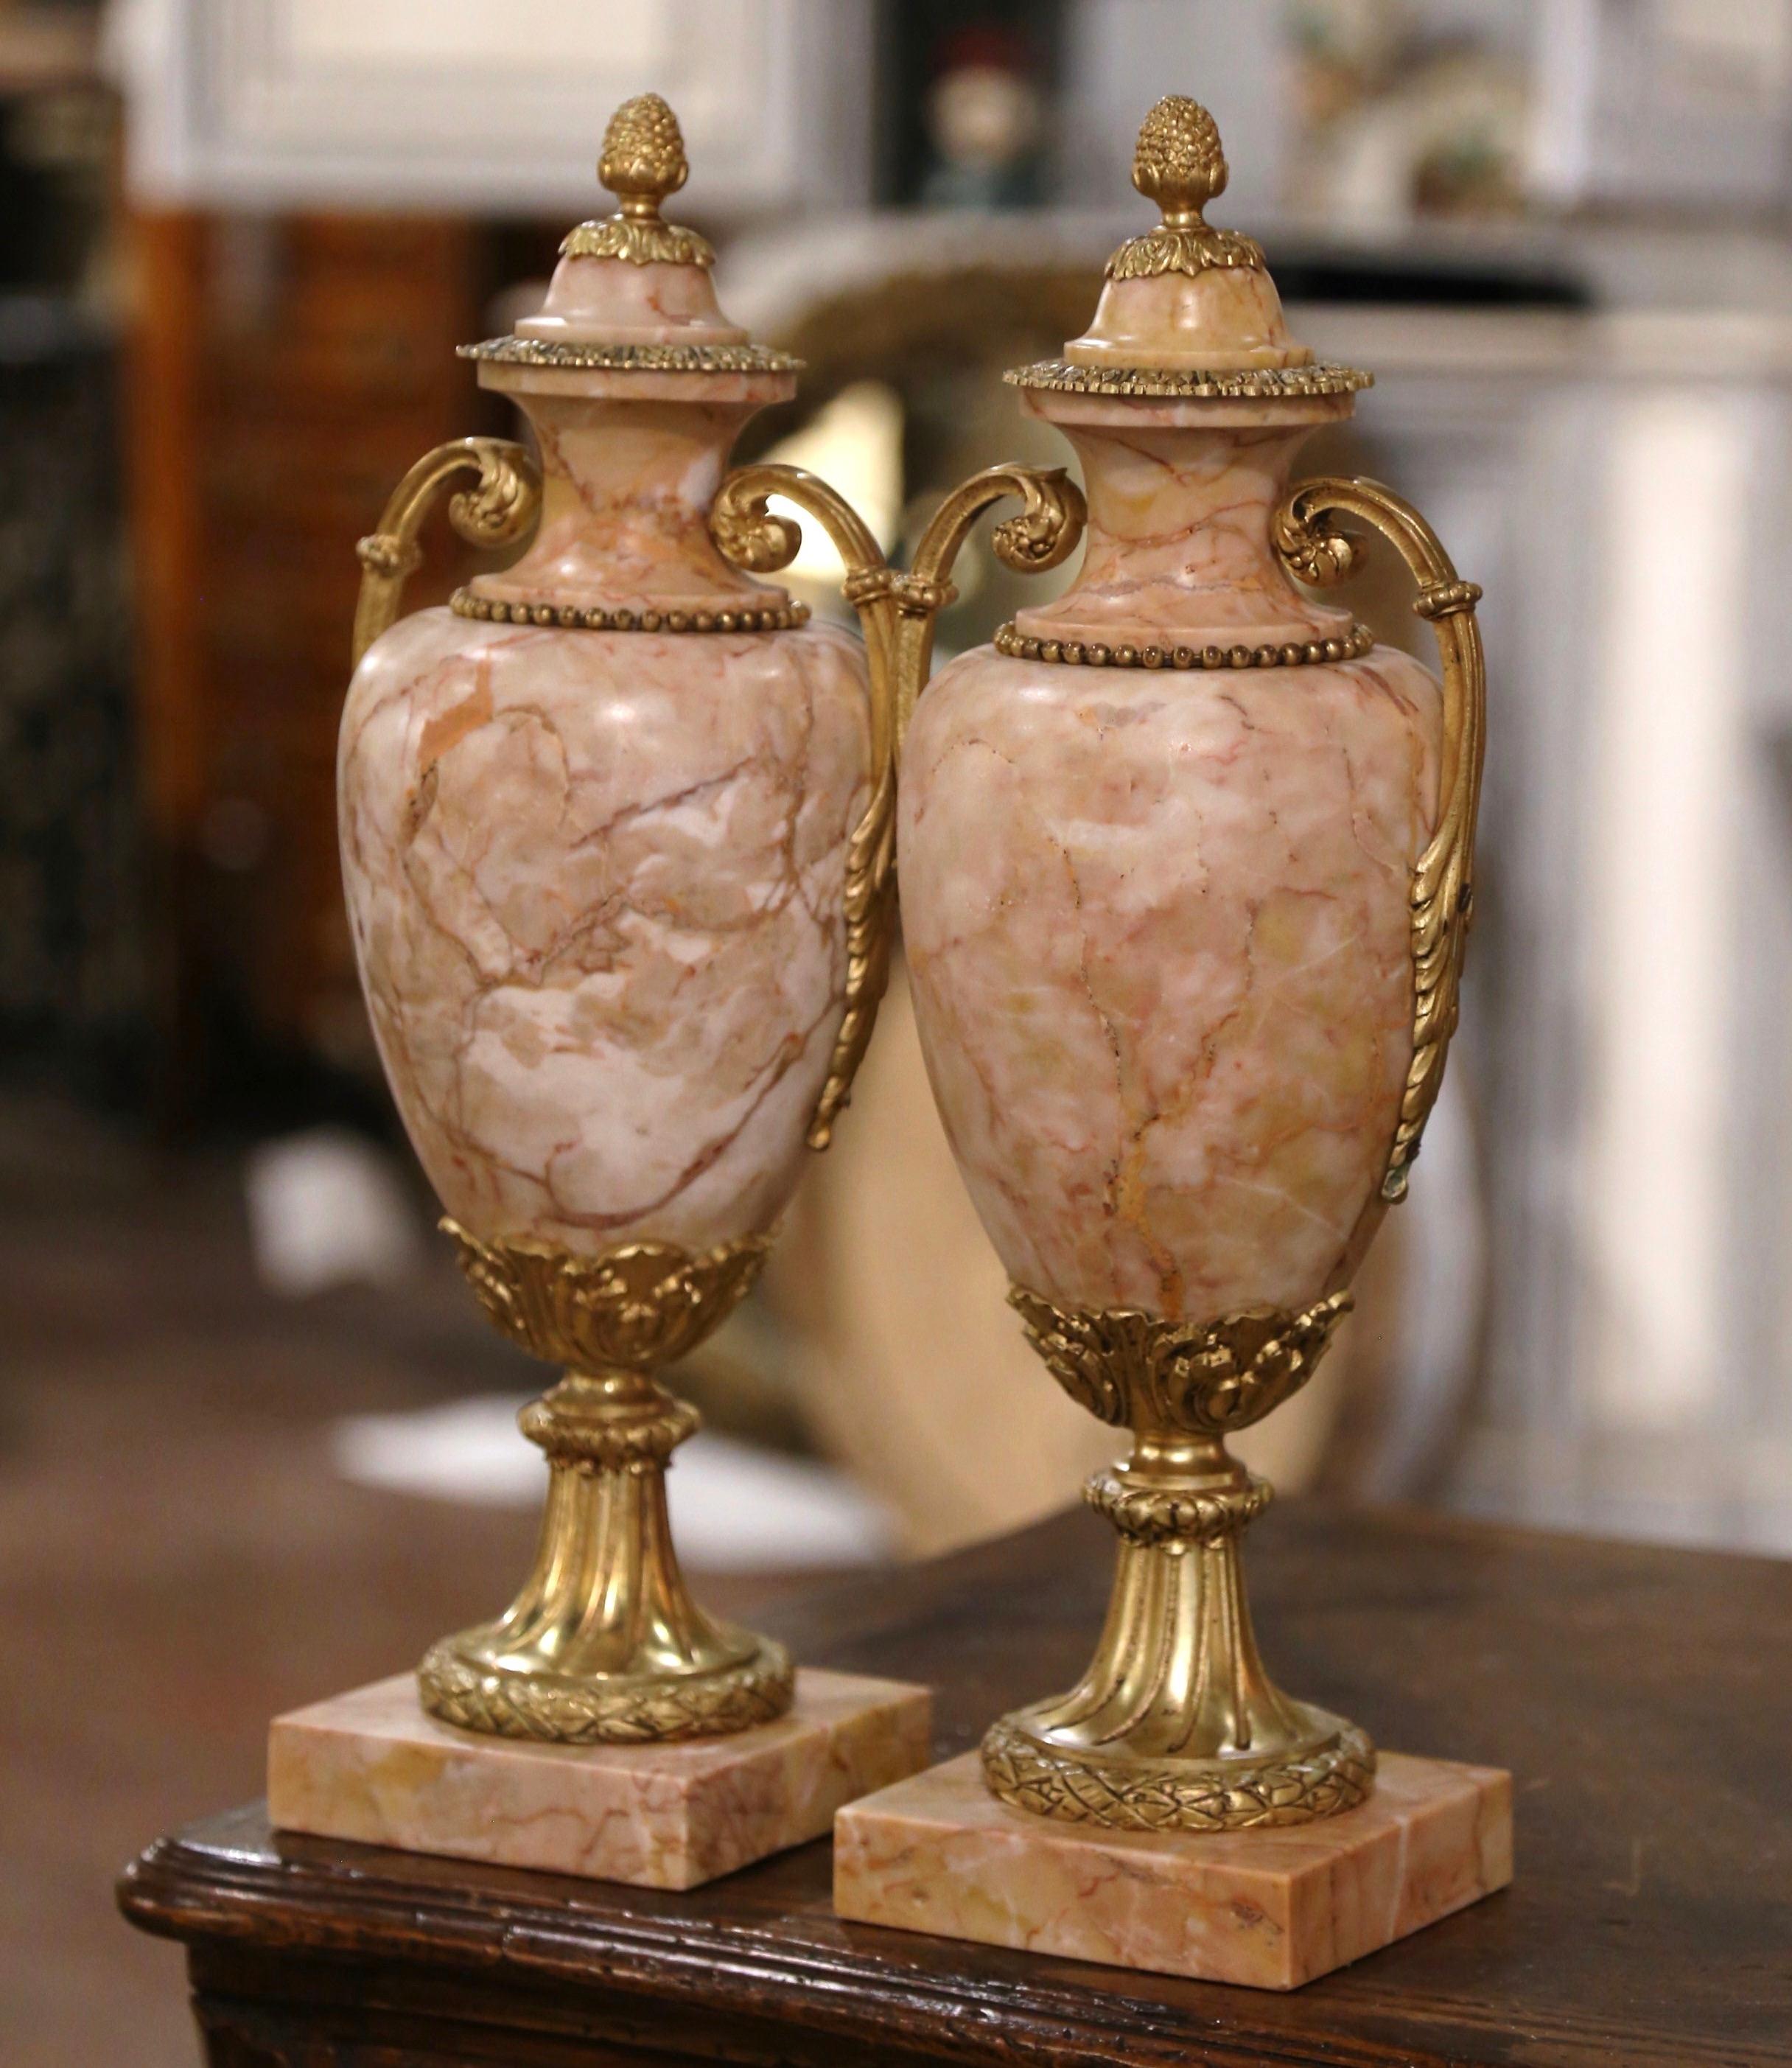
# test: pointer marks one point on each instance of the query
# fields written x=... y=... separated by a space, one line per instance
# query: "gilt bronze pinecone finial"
x=643 y=162
x=1179 y=164
x=643 y=155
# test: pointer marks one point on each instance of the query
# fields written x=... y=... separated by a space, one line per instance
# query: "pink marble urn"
x=597 y=821
x=1183 y=866
x=595 y=817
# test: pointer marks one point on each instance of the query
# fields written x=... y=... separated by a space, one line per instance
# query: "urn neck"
x=628 y=485
x=1178 y=550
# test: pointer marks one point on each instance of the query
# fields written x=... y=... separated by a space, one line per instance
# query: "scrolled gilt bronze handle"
x=501 y=509
x=896 y=611
x=744 y=528
x=1042 y=535
x=1308 y=539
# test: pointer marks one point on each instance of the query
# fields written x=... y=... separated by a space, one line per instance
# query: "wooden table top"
x=1642 y=1697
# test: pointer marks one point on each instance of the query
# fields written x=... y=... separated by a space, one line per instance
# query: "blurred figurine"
x=984 y=119
x=1396 y=119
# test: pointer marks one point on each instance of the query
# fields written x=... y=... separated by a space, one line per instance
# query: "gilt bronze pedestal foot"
x=605 y=1643
x=1176 y=1725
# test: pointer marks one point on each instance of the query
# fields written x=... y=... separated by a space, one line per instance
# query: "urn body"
x=595 y=876
x=596 y=882
x=1158 y=916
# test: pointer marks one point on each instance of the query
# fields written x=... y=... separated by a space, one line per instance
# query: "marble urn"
x=1184 y=866
x=609 y=829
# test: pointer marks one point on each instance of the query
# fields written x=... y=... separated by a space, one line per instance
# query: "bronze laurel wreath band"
x=568 y=617
x=1017 y=646
x=558 y=1711
x=1141 y=1795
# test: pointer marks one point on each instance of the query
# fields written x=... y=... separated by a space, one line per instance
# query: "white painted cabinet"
x=491 y=107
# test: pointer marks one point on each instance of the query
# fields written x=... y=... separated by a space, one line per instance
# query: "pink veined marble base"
x=371 y=1766
x=1270 y=1909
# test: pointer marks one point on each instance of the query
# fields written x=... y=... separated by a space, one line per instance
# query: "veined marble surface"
x=1271 y=1909
x=618 y=301
x=1157 y=921
x=629 y=473
x=1222 y=316
x=1178 y=547
x=595 y=880
x=370 y=1766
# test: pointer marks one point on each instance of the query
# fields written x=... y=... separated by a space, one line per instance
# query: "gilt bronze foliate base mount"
x=1176 y=1725
x=605 y=1643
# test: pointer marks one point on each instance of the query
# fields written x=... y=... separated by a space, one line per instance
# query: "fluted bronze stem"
x=605 y=1643
x=1176 y=1725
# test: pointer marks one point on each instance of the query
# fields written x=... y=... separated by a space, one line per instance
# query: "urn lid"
x=633 y=293
x=1187 y=310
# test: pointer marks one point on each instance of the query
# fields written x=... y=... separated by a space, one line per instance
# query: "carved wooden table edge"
x=1485 y=1642
x=183 y=1890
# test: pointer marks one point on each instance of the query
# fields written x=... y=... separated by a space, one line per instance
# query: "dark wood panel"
x=1643 y=1697
x=285 y=372
x=163 y=389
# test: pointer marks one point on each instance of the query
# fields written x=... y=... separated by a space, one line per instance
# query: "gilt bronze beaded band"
x=569 y=618
x=1093 y=654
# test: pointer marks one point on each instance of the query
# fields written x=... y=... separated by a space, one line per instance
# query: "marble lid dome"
x=1187 y=308
x=633 y=290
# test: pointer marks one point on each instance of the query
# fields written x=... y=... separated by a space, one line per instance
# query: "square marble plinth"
x=1269 y=1909
x=371 y=1766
